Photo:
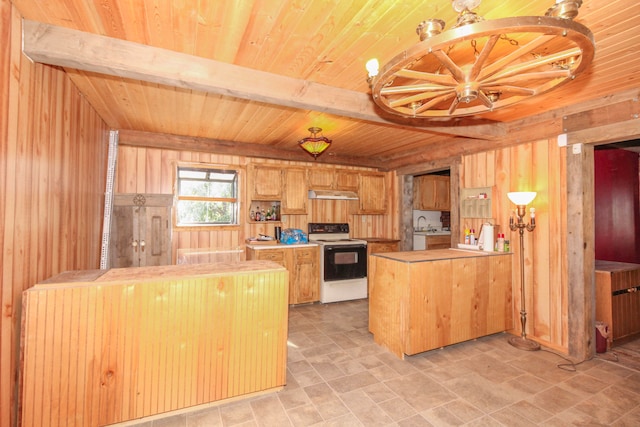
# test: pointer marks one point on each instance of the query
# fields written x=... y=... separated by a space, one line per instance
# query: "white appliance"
x=343 y=262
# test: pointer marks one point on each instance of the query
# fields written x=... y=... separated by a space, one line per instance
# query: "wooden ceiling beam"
x=64 y=47
x=136 y=138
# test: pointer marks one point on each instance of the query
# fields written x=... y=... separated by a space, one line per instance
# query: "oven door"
x=344 y=262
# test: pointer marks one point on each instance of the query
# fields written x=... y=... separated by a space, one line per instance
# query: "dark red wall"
x=617 y=205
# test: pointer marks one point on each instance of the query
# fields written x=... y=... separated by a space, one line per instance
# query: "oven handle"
x=333 y=247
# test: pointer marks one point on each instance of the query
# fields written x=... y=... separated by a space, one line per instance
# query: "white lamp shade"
x=522 y=197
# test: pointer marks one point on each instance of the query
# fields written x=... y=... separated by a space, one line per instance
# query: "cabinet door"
x=122 y=238
x=140 y=236
x=321 y=179
x=305 y=275
x=431 y=192
x=265 y=182
x=424 y=193
x=346 y=180
x=154 y=236
x=372 y=195
x=442 y=196
x=438 y=242
x=296 y=193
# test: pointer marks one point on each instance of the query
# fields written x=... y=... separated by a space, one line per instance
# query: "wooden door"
x=140 y=231
x=153 y=236
x=122 y=237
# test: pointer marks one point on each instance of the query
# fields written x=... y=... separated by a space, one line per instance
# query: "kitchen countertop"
x=377 y=240
x=432 y=233
x=615 y=266
x=271 y=245
x=436 y=255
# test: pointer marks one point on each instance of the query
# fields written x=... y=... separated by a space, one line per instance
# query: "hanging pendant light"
x=479 y=65
x=314 y=144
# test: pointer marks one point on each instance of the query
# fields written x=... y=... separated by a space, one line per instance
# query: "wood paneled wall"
x=152 y=170
x=52 y=180
x=537 y=166
x=151 y=341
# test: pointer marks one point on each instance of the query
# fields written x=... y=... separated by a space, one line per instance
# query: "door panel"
x=154 y=235
x=140 y=234
x=122 y=239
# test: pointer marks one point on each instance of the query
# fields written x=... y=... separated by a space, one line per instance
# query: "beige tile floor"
x=337 y=376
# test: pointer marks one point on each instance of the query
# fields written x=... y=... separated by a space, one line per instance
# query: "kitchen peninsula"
x=108 y=346
x=422 y=300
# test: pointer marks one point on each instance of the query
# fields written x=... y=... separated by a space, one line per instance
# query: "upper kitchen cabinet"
x=265 y=182
x=281 y=186
x=431 y=193
x=346 y=180
x=295 y=191
x=333 y=179
x=140 y=231
x=372 y=195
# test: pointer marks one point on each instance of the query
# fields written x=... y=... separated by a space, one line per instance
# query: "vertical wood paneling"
x=538 y=166
x=539 y=304
x=152 y=346
x=52 y=180
x=140 y=169
x=418 y=304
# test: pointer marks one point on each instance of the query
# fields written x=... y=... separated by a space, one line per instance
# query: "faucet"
x=418 y=223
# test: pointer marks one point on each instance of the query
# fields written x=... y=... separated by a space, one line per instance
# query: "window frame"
x=213 y=168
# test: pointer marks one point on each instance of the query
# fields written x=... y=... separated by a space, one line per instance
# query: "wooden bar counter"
x=421 y=300
x=104 y=347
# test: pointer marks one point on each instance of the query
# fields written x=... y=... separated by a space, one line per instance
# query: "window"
x=207 y=196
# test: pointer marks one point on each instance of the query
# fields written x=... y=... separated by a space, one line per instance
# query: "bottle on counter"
x=500 y=244
x=506 y=246
x=472 y=237
x=467 y=236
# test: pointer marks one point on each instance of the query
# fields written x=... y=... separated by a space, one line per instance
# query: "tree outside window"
x=207 y=196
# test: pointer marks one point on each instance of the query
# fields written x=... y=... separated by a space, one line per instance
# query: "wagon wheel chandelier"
x=481 y=65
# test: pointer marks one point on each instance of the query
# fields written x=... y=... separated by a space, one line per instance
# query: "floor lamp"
x=521 y=200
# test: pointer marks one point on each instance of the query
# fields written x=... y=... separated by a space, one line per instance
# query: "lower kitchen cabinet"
x=424 y=300
x=439 y=242
x=423 y=242
x=303 y=264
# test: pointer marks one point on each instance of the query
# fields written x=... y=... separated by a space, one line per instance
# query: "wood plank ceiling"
x=319 y=47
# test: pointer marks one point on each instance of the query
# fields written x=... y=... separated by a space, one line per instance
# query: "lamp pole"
x=522 y=342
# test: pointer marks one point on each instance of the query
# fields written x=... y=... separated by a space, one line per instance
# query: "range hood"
x=333 y=195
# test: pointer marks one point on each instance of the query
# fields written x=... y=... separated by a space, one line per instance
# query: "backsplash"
x=432 y=218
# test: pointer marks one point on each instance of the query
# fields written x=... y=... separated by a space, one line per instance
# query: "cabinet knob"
x=135 y=245
x=142 y=245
